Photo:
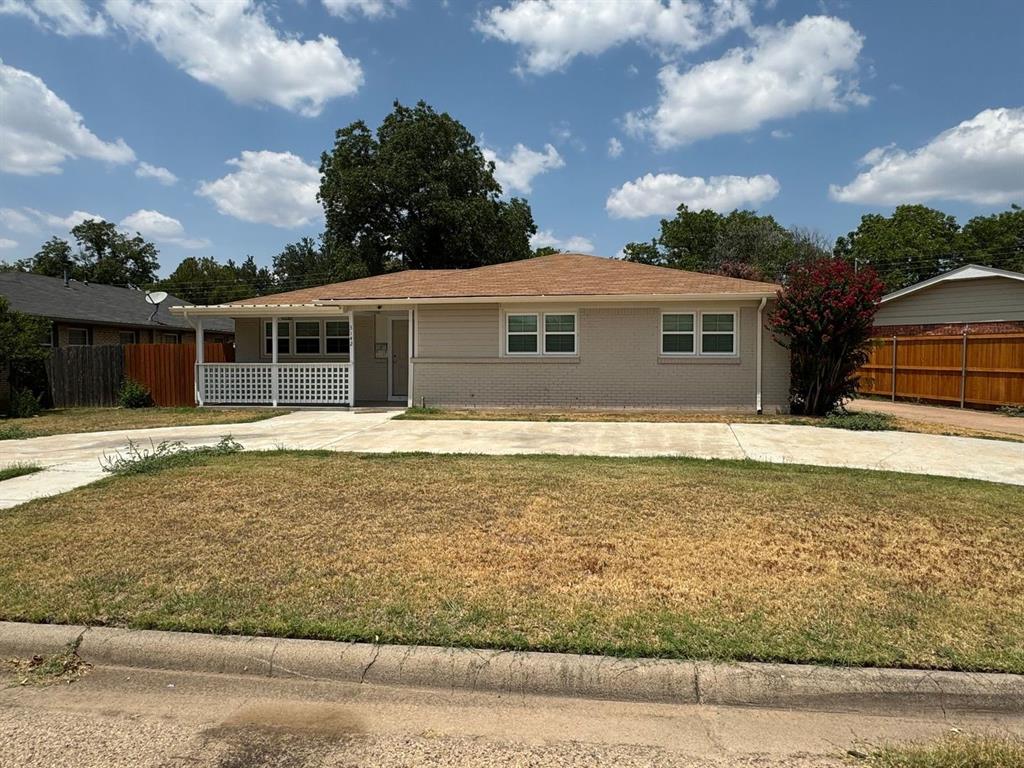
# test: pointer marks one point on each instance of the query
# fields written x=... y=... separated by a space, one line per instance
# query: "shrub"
x=13 y=432
x=24 y=404
x=1011 y=410
x=134 y=395
x=859 y=422
x=824 y=317
x=142 y=461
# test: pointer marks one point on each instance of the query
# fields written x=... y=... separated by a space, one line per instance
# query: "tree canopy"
x=104 y=255
x=418 y=194
x=206 y=281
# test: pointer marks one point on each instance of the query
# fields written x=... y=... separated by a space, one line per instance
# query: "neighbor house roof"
x=968 y=272
x=93 y=303
x=561 y=274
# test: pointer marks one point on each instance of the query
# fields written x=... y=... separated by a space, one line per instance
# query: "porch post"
x=351 y=359
x=409 y=375
x=200 y=359
x=273 y=361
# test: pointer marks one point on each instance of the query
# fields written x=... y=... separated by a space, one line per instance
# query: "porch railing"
x=274 y=384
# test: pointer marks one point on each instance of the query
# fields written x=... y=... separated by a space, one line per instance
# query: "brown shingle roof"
x=561 y=274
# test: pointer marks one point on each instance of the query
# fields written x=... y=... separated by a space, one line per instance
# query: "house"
x=566 y=331
x=92 y=314
x=972 y=299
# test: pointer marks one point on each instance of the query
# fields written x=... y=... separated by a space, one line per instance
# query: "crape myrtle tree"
x=417 y=194
x=824 y=317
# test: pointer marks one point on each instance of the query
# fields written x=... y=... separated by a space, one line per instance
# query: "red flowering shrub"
x=824 y=317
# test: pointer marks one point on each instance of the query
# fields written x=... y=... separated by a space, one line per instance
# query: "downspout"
x=760 y=343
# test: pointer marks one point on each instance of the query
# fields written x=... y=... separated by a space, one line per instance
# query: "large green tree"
x=913 y=244
x=996 y=240
x=207 y=281
x=416 y=194
x=105 y=255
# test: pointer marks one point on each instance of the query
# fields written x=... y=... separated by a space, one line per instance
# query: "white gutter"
x=758 y=345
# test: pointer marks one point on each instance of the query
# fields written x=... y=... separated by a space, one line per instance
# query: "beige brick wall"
x=618 y=366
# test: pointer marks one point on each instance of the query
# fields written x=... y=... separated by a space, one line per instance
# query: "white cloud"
x=371 y=9
x=575 y=244
x=614 y=147
x=232 y=46
x=161 y=228
x=17 y=221
x=778 y=133
x=65 y=17
x=146 y=171
x=516 y=172
x=6 y=242
x=39 y=131
x=65 y=223
x=981 y=160
x=276 y=188
x=551 y=33
x=661 y=194
x=788 y=70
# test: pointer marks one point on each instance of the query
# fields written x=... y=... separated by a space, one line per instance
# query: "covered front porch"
x=311 y=356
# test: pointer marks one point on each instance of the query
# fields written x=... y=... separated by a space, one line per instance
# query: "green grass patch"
x=666 y=557
x=17 y=470
x=954 y=751
x=66 y=421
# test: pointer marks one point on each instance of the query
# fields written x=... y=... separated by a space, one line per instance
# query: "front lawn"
x=64 y=421
x=654 y=557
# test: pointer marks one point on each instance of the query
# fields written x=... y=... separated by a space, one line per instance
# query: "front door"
x=399 y=359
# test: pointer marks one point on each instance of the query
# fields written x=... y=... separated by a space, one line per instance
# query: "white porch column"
x=409 y=376
x=351 y=359
x=200 y=359
x=273 y=361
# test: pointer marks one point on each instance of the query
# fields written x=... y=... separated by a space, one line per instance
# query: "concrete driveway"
x=74 y=460
x=990 y=421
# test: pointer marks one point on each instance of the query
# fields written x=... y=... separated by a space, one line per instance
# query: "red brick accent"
x=948 y=329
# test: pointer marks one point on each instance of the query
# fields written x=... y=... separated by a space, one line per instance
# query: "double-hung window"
x=336 y=337
x=521 y=336
x=307 y=337
x=677 y=333
x=560 y=334
x=78 y=337
x=283 y=337
x=718 y=333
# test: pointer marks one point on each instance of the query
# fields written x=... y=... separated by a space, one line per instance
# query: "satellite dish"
x=155 y=298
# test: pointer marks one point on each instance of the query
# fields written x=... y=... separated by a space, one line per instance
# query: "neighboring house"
x=92 y=314
x=566 y=330
x=972 y=299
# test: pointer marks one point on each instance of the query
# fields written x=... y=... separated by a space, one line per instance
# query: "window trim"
x=734 y=333
x=163 y=340
x=265 y=338
x=88 y=336
x=574 y=333
x=121 y=333
x=347 y=337
x=536 y=334
x=294 y=344
x=694 y=333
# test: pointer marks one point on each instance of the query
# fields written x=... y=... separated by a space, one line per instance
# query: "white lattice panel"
x=235 y=383
x=313 y=383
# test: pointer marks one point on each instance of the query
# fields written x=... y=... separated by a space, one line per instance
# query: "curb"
x=787 y=686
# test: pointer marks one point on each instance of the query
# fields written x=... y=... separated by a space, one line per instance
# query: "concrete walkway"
x=74 y=460
x=966 y=418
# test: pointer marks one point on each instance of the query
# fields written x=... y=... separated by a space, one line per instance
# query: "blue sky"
x=815 y=112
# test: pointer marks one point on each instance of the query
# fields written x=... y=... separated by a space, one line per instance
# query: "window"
x=718 y=333
x=78 y=337
x=307 y=337
x=48 y=338
x=336 y=335
x=170 y=338
x=283 y=337
x=560 y=334
x=521 y=335
x=677 y=331
x=128 y=337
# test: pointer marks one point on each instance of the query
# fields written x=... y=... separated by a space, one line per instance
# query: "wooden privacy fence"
x=983 y=369
x=168 y=371
x=82 y=376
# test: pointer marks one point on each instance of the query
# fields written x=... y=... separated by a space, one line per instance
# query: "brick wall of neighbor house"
x=618 y=365
x=106 y=335
x=948 y=329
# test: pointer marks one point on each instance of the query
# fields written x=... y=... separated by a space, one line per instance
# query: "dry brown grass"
x=64 y=421
x=670 y=557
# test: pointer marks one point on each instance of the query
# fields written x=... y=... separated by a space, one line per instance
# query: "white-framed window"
x=336 y=337
x=48 y=338
x=284 y=333
x=560 y=333
x=522 y=333
x=718 y=333
x=678 y=333
x=169 y=338
x=128 y=337
x=307 y=337
x=78 y=337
